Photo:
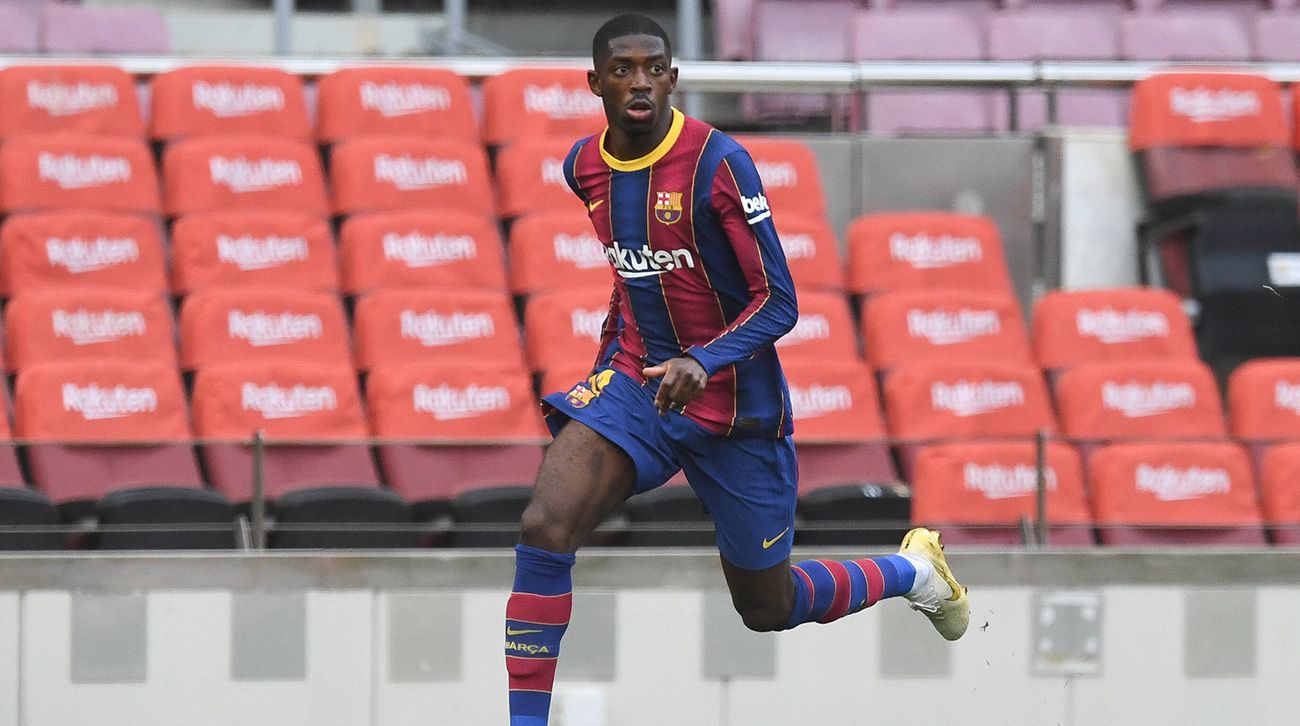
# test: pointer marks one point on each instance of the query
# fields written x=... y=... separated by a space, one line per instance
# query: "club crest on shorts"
x=668 y=207
x=587 y=391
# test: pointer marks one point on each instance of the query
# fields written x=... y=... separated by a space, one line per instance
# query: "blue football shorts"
x=749 y=485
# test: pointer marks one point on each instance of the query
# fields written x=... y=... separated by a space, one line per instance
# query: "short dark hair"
x=622 y=26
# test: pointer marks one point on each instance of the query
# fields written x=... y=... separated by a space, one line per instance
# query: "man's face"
x=634 y=82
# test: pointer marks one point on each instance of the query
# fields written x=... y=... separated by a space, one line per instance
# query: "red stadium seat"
x=1140 y=400
x=562 y=327
x=85 y=324
x=389 y=101
x=977 y=493
x=228 y=100
x=314 y=404
x=243 y=173
x=1174 y=493
x=262 y=324
x=534 y=102
x=941 y=400
x=918 y=325
x=824 y=330
x=1083 y=326
x=388 y=173
x=925 y=250
x=80 y=249
x=1280 y=494
x=1204 y=133
x=83 y=173
x=481 y=426
x=50 y=99
x=138 y=405
x=243 y=249
x=1264 y=400
x=530 y=177
x=398 y=325
x=839 y=430
x=791 y=179
x=421 y=249
x=556 y=249
x=811 y=253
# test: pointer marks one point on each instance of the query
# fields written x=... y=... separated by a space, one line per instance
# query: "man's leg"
x=583 y=478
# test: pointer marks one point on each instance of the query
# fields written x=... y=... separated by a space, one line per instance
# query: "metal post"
x=366 y=7
x=690 y=46
x=258 y=504
x=1040 y=468
x=283 y=26
x=454 y=10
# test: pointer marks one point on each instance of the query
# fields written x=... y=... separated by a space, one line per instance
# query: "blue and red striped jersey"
x=698 y=270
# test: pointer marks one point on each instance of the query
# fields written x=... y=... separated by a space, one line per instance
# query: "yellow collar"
x=675 y=130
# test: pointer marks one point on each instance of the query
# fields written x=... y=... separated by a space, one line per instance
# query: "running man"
x=686 y=379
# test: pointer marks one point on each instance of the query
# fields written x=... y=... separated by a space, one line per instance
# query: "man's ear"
x=673 y=77
x=593 y=81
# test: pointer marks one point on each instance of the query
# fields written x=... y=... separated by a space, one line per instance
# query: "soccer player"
x=686 y=378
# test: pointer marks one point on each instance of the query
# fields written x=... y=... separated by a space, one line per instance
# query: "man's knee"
x=544 y=530
x=763 y=617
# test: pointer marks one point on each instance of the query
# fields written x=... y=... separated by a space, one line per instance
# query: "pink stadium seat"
x=556 y=250
x=86 y=323
x=76 y=29
x=262 y=324
x=1280 y=494
x=81 y=248
x=733 y=29
x=1066 y=35
x=1179 y=35
x=1277 y=37
x=563 y=326
x=1153 y=400
x=104 y=401
x=67 y=171
x=20 y=29
x=388 y=101
x=247 y=173
x=385 y=173
x=233 y=100
x=46 y=99
x=253 y=249
x=401 y=324
x=839 y=429
x=1107 y=325
x=923 y=35
x=904 y=326
x=422 y=248
x=798 y=30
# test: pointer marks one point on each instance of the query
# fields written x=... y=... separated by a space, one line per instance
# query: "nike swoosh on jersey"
x=591 y=206
x=512 y=631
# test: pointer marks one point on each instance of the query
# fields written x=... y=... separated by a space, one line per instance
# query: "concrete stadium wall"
x=1177 y=638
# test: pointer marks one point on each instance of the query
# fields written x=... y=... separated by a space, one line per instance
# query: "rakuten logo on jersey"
x=583 y=251
x=243 y=175
x=1173 y=484
x=408 y=173
x=1113 y=327
x=553 y=172
x=587 y=323
x=817 y=400
x=645 y=262
x=392 y=100
x=924 y=252
x=1286 y=395
x=435 y=330
x=70 y=171
x=260 y=253
x=79 y=256
x=1203 y=105
x=452 y=403
x=943 y=327
x=417 y=250
x=62 y=99
x=798 y=246
x=995 y=481
x=559 y=102
x=84 y=327
x=1135 y=400
x=262 y=329
x=777 y=174
x=96 y=404
x=275 y=402
x=813 y=326
x=227 y=100
x=967 y=398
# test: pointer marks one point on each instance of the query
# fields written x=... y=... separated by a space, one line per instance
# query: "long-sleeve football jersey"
x=698 y=270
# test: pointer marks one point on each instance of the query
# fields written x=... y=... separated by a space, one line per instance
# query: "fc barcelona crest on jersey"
x=668 y=207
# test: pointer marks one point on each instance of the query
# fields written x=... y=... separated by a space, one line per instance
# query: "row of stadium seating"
x=793 y=30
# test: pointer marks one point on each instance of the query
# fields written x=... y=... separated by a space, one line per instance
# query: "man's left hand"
x=683 y=381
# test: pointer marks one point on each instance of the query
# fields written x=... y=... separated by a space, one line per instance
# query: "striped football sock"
x=826 y=590
x=536 y=617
